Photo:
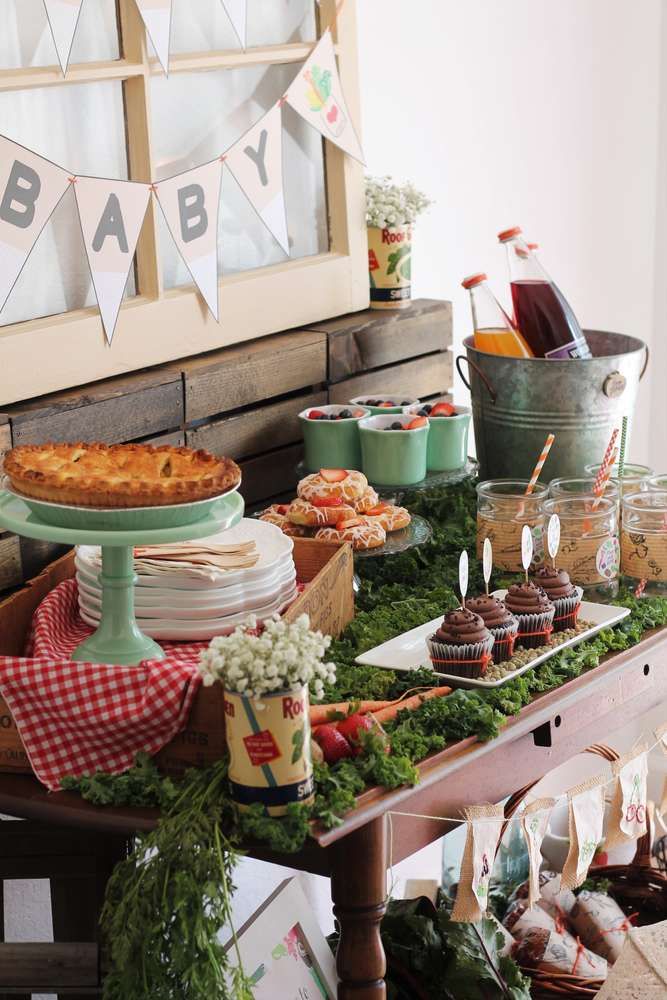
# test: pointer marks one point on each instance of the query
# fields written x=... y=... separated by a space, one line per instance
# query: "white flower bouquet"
x=284 y=657
x=390 y=205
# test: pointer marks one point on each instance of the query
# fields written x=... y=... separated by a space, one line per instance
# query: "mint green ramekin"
x=332 y=444
x=447 y=448
x=381 y=410
x=392 y=458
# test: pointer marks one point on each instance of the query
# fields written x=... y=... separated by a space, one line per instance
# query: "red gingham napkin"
x=77 y=718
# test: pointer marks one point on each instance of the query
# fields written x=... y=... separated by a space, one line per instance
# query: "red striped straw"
x=641 y=587
x=603 y=478
x=540 y=462
x=605 y=462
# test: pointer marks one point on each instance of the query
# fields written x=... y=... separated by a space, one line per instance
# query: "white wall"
x=535 y=113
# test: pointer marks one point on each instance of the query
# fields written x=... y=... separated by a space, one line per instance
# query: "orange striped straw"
x=540 y=462
x=641 y=587
x=605 y=460
x=602 y=479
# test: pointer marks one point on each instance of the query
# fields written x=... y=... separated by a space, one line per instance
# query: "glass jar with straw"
x=634 y=477
x=644 y=542
x=576 y=487
x=658 y=483
x=502 y=510
x=589 y=544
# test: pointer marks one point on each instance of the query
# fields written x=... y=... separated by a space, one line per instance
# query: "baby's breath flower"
x=387 y=204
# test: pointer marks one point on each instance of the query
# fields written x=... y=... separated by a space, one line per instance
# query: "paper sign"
x=534 y=823
x=463 y=575
x=111 y=214
x=487 y=561
x=256 y=161
x=30 y=189
x=586 y=823
x=63 y=18
x=237 y=12
x=317 y=95
x=156 y=15
x=526 y=547
x=191 y=203
x=553 y=535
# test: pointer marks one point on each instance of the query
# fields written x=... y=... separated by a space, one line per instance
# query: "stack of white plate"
x=181 y=605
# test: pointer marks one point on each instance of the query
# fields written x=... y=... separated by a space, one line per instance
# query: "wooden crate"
x=327 y=570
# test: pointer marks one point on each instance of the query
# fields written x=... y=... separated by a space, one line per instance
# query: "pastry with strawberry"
x=346 y=484
x=277 y=514
x=391 y=517
x=361 y=532
x=322 y=511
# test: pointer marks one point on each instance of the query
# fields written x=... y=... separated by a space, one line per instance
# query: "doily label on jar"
x=607 y=560
x=644 y=556
x=590 y=560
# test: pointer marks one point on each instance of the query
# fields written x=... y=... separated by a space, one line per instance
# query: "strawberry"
x=282 y=508
x=386 y=402
x=443 y=410
x=352 y=727
x=378 y=509
x=316 y=414
x=333 y=475
x=351 y=522
x=357 y=413
x=416 y=423
x=333 y=744
x=327 y=501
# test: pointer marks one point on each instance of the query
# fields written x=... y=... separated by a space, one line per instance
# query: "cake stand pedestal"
x=118 y=638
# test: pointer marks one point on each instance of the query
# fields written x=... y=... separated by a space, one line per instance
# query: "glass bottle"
x=494 y=331
x=541 y=313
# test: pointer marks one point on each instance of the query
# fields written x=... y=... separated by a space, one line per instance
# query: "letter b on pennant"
x=22 y=189
x=193 y=214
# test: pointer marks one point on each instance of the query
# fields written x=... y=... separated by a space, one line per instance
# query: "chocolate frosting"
x=461 y=627
x=555 y=582
x=527 y=599
x=491 y=610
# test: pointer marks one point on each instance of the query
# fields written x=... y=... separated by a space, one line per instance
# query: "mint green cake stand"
x=118 y=638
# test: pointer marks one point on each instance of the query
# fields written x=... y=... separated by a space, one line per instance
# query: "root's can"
x=389 y=266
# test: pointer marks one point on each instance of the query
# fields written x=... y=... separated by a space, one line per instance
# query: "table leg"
x=359 y=893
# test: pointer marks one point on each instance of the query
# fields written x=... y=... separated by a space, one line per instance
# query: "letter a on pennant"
x=63 y=18
x=111 y=215
x=237 y=12
x=30 y=190
x=256 y=162
x=190 y=203
x=317 y=95
x=156 y=16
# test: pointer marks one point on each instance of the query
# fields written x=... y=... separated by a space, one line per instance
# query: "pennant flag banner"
x=30 y=190
x=63 y=16
x=190 y=203
x=586 y=806
x=485 y=825
x=317 y=95
x=237 y=12
x=111 y=215
x=628 y=815
x=156 y=16
x=534 y=823
x=256 y=162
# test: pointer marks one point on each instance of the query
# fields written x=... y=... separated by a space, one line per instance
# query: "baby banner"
x=30 y=189
x=256 y=162
x=111 y=214
x=63 y=17
x=317 y=95
x=156 y=15
x=190 y=203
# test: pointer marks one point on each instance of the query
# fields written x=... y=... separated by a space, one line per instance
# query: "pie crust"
x=119 y=475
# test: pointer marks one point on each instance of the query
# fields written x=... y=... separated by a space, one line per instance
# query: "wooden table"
x=549 y=731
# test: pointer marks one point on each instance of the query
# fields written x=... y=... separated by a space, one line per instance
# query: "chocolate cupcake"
x=562 y=593
x=462 y=645
x=535 y=612
x=500 y=622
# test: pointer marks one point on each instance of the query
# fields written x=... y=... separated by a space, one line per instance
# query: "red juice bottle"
x=541 y=312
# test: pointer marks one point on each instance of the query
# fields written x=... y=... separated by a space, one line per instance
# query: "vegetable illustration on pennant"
x=321 y=99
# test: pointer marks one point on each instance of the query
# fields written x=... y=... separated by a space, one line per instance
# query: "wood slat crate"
x=240 y=401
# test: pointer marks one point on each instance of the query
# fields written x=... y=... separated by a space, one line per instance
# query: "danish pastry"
x=361 y=532
x=319 y=514
x=346 y=484
x=366 y=501
x=277 y=514
x=391 y=518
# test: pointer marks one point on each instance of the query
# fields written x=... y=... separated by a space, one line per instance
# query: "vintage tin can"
x=389 y=266
x=269 y=748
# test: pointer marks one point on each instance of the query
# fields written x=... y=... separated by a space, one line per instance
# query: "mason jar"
x=589 y=543
x=658 y=483
x=635 y=477
x=644 y=541
x=575 y=487
x=502 y=510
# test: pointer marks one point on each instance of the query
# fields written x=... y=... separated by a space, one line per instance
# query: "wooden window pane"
x=25 y=37
x=202 y=25
x=62 y=124
x=195 y=117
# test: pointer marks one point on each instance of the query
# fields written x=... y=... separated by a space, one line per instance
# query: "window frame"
x=158 y=325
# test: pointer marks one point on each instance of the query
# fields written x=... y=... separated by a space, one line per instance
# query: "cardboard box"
x=327 y=570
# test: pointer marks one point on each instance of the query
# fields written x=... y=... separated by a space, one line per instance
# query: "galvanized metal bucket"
x=516 y=402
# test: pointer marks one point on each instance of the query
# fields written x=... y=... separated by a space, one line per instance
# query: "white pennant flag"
x=30 y=189
x=63 y=16
x=190 y=203
x=256 y=161
x=317 y=95
x=156 y=16
x=111 y=214
x=534 y=823
x=237 y=12
x=586 y=808
x=629 y=806
x=485 y=825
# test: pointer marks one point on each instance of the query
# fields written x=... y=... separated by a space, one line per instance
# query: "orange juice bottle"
x=494 y=331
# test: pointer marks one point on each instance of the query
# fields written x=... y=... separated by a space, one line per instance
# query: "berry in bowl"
x=379 y=405
x=331 y=436
x=448 y=433
x=393 y=449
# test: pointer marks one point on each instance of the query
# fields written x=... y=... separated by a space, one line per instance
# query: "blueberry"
x=323 y=417
x=396 y=426
x=405 y=402
x=345 y=414
x=333 y=416
x=428 y=407
x=423 y=412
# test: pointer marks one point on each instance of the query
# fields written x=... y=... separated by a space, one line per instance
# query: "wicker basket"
x=638 y=888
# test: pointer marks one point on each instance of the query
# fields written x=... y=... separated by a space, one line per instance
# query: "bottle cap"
x=508 y=234
x=474 y=279
x=533 y=246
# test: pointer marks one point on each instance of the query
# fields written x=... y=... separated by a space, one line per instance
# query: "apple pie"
x=119 y=475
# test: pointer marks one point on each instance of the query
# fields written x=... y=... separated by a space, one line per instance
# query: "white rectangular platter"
x=409 y=652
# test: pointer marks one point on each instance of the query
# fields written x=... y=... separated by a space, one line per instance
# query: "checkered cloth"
x=77 y=718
